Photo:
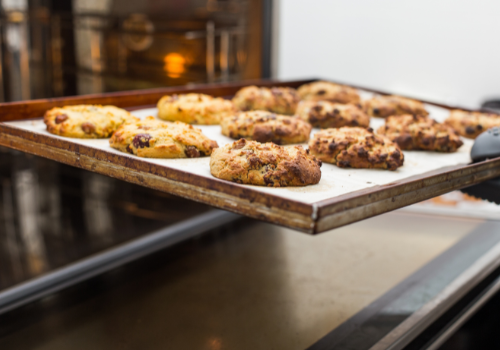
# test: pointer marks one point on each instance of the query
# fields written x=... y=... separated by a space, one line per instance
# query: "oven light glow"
x=174 y=65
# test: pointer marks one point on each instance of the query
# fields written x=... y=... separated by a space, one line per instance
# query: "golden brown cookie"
x=86 y=121
x=282 y=100
x=265 y=126
x=472 y=124
x=356 y=148
x=420 y=133
x=326 y=91
x=385 y=106
x=325 y=114
x=194 y=108
x=151 y=138
x=265 y=164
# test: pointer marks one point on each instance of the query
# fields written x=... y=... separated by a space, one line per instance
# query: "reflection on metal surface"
x=421 y=317
x=17 y=37
x=254 y=286
x=96 y=192
x=457 y=204
x=27 y=208
x=138 y=23
x=42 y=287
x=224 y=54
x=79 y=47
x=210 y=51
x=52 y=214
x=477 y=305
x=10 y=253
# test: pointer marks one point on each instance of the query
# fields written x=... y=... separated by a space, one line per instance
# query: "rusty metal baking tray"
x=343 y=196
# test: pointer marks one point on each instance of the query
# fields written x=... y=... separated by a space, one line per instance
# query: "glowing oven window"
x=175 y=65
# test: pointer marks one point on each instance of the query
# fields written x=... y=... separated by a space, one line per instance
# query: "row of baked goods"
x=322 y=104
x=257 y=116
x=306 y=101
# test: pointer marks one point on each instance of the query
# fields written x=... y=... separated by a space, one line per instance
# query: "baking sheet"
x=334 y=181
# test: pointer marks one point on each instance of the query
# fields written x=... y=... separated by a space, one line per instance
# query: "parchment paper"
x=334 y=181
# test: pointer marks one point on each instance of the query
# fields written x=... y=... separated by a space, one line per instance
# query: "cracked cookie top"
x=265 y=164
x=413 y=132
x=356 y=148
x=86 y=121
x=194 y=108
x=325 y=114
x=282 y=100
x=326 y=91
x=385 y=106
x=151 y=138
x=265 y=126
x=472 y=124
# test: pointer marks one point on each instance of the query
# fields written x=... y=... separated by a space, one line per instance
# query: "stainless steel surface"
x=112 y=258
x=52 y=215
x=421 y=319
x=257 y=287
x=476 y=306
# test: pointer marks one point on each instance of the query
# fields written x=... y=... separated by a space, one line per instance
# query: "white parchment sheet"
x=334 y=181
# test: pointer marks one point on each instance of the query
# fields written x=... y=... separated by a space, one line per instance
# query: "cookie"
x=325 y=114
x=265 y=126
x=385 y=106
x=356 y=148
x=265 y=164
x=472 y=124
x=194 y=108
x=282 y=100
x=326 y=91
x=415 y=132
x=86 y=121
x=151 y=138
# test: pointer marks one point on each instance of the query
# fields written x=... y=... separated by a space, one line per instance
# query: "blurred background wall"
x=444 y=51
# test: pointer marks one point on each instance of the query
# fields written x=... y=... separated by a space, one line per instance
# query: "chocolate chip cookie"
x=416 y=132
x=265 y=126
x=282 y=100
x=151 y=138
x=356 y=148
x=326 y=91
x=385 y=106
x=194 y=108
x=265 y=164
x=86 y=121
x=325 y=114
x=472 y=124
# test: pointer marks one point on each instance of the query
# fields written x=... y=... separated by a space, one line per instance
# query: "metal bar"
x=56 y=50
x=198 y=34
x=59 y=279
x=377 y=319
x=421 y=319
x=210 y=52
x=2 y=92
x=224 y=55
x=24 y=58
x=467 y=314
x=96 y=60
x=267 y=16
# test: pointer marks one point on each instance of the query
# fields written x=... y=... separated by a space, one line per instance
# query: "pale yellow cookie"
x=282 y=100
x=194 y=108
x=151 y=138
x=86 y=121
